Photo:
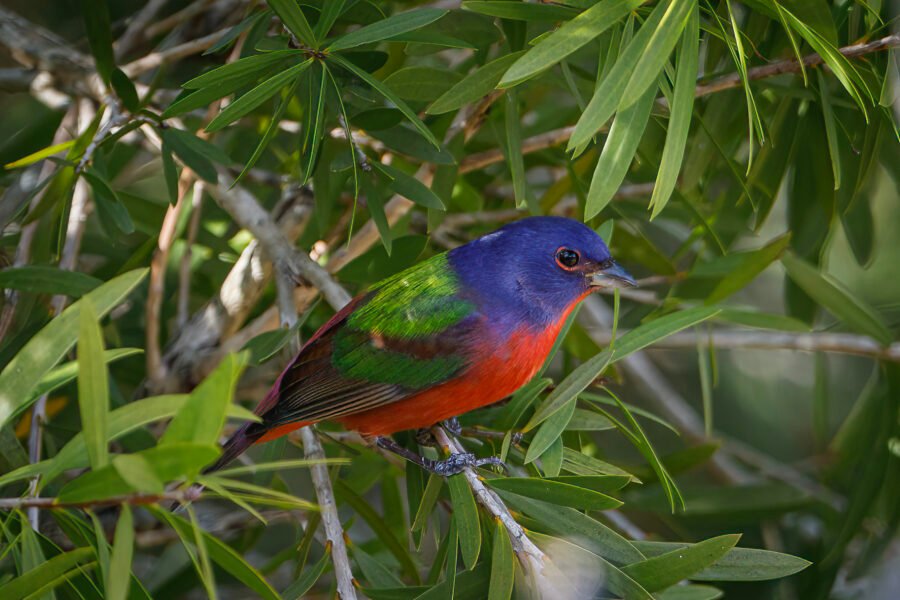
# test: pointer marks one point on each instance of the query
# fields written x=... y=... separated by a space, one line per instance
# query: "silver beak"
x=612 y=277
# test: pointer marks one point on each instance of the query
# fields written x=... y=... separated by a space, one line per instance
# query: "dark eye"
x=567 y=258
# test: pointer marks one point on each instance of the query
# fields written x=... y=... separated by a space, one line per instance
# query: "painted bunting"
x=456 y=332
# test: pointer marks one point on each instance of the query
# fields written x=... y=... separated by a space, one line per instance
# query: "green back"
x=382 y=340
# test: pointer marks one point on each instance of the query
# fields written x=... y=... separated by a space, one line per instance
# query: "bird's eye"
x=567 y=258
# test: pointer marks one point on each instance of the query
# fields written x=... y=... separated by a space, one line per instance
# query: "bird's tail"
x=245 y=436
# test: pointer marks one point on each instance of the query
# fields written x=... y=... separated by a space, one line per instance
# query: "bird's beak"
x=613 y=276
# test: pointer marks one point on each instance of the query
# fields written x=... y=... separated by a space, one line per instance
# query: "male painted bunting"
x=455 y=332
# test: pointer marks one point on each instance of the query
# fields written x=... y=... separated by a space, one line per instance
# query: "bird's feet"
x=454 y=464
x=457 y=463
x=424 y=437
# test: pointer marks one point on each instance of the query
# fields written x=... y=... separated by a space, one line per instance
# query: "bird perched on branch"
x=456 y=332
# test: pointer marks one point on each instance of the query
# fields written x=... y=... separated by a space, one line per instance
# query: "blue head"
x=531 y=271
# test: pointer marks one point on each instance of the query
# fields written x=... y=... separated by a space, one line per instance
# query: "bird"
x=458 y=331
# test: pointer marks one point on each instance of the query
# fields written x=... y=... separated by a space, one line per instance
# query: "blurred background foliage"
x=741 y=157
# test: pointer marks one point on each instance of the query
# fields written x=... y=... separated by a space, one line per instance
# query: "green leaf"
x=588 y=420
x=271 y=130
x=44 y=279
x=747 y=268
x=762 y=320
x=201 y=418
x=581 y=529
x=385 y=91
x=112 y=212
x=650 y=333
x=22 y=374
x=739 y=564
x=50 y=574
x=119 y=577
x=837 y=299
x=330 y=13
x=610 y=93
x=569 y=388
x=503 y=565
x=514 y=155
x=474 y=86
x=429 y=497
x=125 y=90
x=583 y=465
x=840 y=66
x=618 y=150
x=659 y=46
x=39 y=155
x=290 y=14
x=99 y=36
x=173 y=462
x=257 y=96
x=466 y=515
x=567 y=39
x=550 y=430
x=243 y=71
x=409 y=187
x=520 y=11
x=314 y=122
x=665 y=570
x=311 y=575
x=556 y=492
x=221 y=554
x=421 y=84
x=196 y=154
x=386 y=28
x=93 y=387
x=598 y=483
x=690 y=592
x=680 y=117
x=834 y=150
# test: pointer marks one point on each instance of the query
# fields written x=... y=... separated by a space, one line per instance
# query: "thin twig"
x=184 y=270
x=334 y=531
x=188 y=12
x=156 y=286
x=51 y=503
x=288 y=261
x=157 y=59
x=139 y=28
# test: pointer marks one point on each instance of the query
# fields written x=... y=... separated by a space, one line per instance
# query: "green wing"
x=409 y=331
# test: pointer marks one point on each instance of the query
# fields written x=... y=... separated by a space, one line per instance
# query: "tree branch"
x=736 y=339
x=180 y=496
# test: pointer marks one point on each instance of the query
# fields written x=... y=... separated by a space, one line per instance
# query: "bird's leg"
x=452 y=465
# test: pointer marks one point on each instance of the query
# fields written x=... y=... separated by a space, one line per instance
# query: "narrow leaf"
x=93 y=388
x=567 y=39
x=393 y=25
x=466 y=515
x=290 y=14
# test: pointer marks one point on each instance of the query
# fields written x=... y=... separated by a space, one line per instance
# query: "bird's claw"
x=452 y=425
x=457 y=463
